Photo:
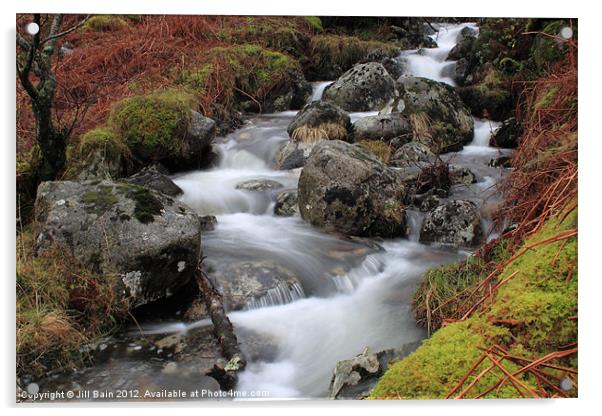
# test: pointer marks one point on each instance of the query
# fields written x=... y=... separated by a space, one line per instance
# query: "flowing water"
x=351 y=294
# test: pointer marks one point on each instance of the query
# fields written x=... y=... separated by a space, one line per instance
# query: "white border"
x=590 y=292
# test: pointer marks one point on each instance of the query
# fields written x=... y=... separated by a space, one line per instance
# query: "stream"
x=348 y=297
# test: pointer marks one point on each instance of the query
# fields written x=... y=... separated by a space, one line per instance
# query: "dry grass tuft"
x=380 y=149
x=421 y=127
x=324 y=131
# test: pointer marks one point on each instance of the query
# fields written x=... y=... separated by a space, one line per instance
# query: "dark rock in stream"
x=460 y=175
x=320 y=120
x=412 y=154
x=365 y=87
x=147 y=241
x=208 y=222
x=456 y=223
x=507 y=136
x=153 y=177
x=345 y=189
x=286 y=204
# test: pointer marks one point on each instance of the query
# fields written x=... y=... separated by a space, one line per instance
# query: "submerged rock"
x=259 y=185
x=147 y=240
x=456 y=223
x=252 y=284
x=461 y=175
x=365 y=87
x=440 y=119
x=208 y=222
x=346 y=189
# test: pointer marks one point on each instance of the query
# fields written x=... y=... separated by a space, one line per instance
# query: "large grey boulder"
x=251 y=284
x=440 y=119
x=147 y=241
x=365 y=87
x=381 y=127
x=456 y=223
x=346 y=189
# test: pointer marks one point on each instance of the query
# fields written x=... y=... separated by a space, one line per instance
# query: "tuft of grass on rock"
x=378 y=148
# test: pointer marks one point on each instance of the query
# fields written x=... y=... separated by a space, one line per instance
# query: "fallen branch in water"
x=224 y=331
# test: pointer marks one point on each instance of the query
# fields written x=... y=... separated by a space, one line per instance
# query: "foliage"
x=337 y=53
x=154 y=126
x=61 y=306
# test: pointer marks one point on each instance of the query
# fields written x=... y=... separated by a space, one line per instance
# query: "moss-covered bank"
x=541 y=302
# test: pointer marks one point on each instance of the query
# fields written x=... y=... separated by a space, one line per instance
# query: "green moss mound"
x=541 y=297
x=238 y=73
x=105 y=23
x=331 y=55
x=153 y=126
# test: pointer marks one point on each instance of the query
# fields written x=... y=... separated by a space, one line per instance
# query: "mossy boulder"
x=440 y=119
x=345 y=189
x=147 y=239
x=162 y=127
x=540 y=296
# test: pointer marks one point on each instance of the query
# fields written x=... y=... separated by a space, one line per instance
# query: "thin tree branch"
x=66 y=32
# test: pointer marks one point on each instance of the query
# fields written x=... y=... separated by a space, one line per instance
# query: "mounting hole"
x=32 y=28
x=566 y=32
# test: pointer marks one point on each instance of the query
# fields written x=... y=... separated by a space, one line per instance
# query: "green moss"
x=147 y=204
x=154 y=126
x=546 y=50
x=314 y=22
x=331 y=55
x=241 y=71
x=99 y=202
x=540 y=296
x=104 y=23
x=546 y=98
